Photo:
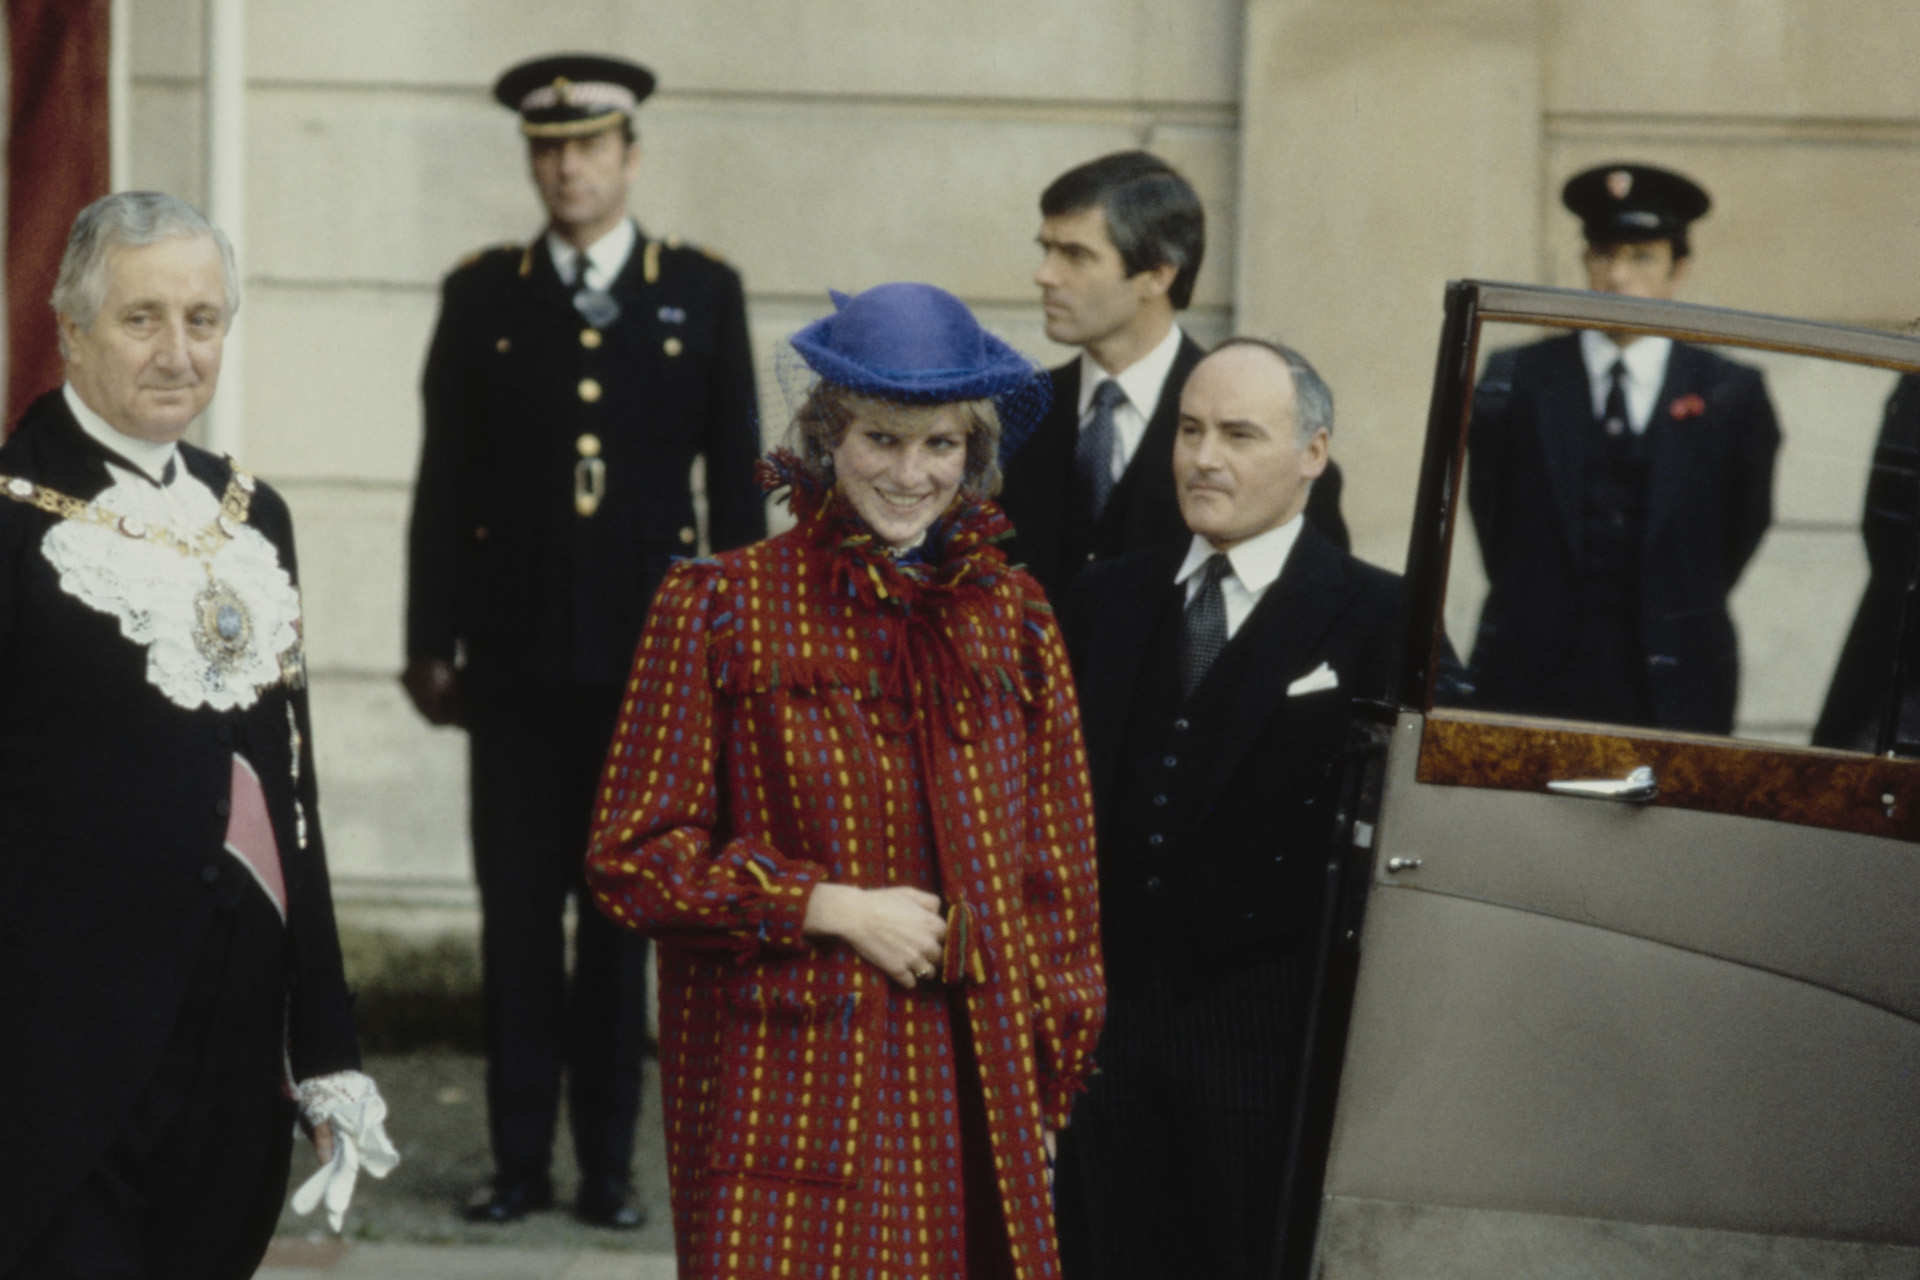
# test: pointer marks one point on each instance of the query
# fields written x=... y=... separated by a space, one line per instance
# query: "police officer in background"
x=1619 y=484
x=570 y=387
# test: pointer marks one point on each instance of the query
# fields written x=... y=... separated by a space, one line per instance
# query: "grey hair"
x=1312 y=397
x=129 y=220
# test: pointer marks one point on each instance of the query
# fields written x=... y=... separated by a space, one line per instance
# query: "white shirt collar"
x=605 y=257
x=1257 y=564
x=1646 y=362
x=1141 y=380
x=146 y=457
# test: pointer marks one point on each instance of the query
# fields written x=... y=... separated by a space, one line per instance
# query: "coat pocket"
x=791 y=1069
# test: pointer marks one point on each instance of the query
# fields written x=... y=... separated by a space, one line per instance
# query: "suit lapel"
x=1282 y=633
x=1671 y=470
x=1125 y=624
x=1563 y=417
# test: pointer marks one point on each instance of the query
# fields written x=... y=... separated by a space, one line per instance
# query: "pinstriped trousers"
x=1174 y=1159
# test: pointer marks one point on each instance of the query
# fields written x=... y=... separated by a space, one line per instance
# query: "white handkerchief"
x=1321 y=677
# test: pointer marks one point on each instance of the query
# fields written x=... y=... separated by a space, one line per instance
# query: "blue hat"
x=921 y=345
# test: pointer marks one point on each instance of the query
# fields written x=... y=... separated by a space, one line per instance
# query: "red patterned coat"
x=808 y=710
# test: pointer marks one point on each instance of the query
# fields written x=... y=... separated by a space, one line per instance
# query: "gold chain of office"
x=202 y=546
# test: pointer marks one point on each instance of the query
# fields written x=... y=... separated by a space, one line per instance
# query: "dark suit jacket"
x=1244 y=868
x=1041 y=493
x=1709 y=501
x=112 y=821
x=1851 y=717
x=499 y=563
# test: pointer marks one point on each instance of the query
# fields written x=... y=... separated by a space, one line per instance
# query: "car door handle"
x=1638 y=787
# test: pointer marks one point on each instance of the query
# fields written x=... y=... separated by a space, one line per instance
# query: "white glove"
x=351 y=1103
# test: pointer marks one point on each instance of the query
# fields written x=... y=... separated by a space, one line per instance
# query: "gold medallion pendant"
x=223 y=628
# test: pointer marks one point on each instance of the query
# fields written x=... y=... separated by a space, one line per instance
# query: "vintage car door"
x=1609 y=1000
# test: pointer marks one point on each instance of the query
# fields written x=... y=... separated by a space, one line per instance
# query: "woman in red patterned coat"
x=848 y=797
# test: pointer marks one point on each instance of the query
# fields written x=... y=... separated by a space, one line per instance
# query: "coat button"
x=1156 y=840
x=503 y=346
x=1171 y=762
x=1159 y=802
x=672 y=346
x=590 y=390
x=588 y=445
x=1153 y=884
x=1182 y=725
x=223 y=807
x=688 y=536
x=209 y=873
x=479 y=533
x=590 y=339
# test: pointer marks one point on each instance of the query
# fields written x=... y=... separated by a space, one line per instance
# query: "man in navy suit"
x=1122 y=238
x=1619 y=484
x=1216 y=677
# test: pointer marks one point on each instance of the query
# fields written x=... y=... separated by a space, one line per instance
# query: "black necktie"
x=1093 y=456
x=1616 y=415
x=1203 y=630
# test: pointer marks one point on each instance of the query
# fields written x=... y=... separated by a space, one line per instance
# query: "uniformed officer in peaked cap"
x=571 y=385
x=1619 y=484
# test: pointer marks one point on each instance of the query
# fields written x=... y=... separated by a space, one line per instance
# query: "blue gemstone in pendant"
x=227 y=622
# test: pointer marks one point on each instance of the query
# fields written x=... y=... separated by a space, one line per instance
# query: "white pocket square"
x=1321 y=677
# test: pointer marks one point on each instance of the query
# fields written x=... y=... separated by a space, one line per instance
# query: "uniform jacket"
x=113 y=814
x=779 y=695
x=1850 y=719
x=1712 y=438
x=1052 y=540
x=1241 y=869
x=500 y=565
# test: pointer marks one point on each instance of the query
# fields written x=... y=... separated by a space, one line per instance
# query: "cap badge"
x=1619 y=184
x=563 y=90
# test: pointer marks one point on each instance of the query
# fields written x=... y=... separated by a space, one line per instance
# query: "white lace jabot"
x=204 y=592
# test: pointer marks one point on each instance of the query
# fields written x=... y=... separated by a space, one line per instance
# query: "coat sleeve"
x=1062 y=895
x=1750 y=509
x=321 y=1038
x=736 y=508
x=659 y=860
x=442 y=520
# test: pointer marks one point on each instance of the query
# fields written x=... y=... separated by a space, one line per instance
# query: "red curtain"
x=57 y=163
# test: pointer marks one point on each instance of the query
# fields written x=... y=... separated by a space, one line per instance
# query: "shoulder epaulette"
x=477 y=254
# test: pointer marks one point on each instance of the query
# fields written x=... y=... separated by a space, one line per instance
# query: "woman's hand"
x=898 y=930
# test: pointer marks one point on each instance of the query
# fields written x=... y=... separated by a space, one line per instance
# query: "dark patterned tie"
x=1203 y=630
x=1093 y=456
x=1616 y=417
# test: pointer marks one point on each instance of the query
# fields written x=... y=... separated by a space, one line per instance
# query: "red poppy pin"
x=1687 y=406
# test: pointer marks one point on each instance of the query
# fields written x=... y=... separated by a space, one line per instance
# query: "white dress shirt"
x=1257 y=562
x=148 y=458
x=605 y=256
x=1142 y=381
x=1646 y=361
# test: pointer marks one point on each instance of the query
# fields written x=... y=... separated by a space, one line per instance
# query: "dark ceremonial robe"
x=1053 y=539
x=808 y=710
x=1532 y=479
x=114 y=804
x=545 y=604
x=1214 y=814
x=1862 y=681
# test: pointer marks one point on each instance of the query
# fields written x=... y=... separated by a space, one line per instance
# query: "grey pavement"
x=408 y=1226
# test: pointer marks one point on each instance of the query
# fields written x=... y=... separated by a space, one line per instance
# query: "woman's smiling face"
x=900 y=470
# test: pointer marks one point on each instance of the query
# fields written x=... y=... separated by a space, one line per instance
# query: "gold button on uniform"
x=590 y=338
x=589 y=445
x=687 y=535
x=503 y=346
x=590 y=390
x=673 y=346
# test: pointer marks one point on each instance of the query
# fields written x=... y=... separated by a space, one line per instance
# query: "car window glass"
x=1701 y=568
